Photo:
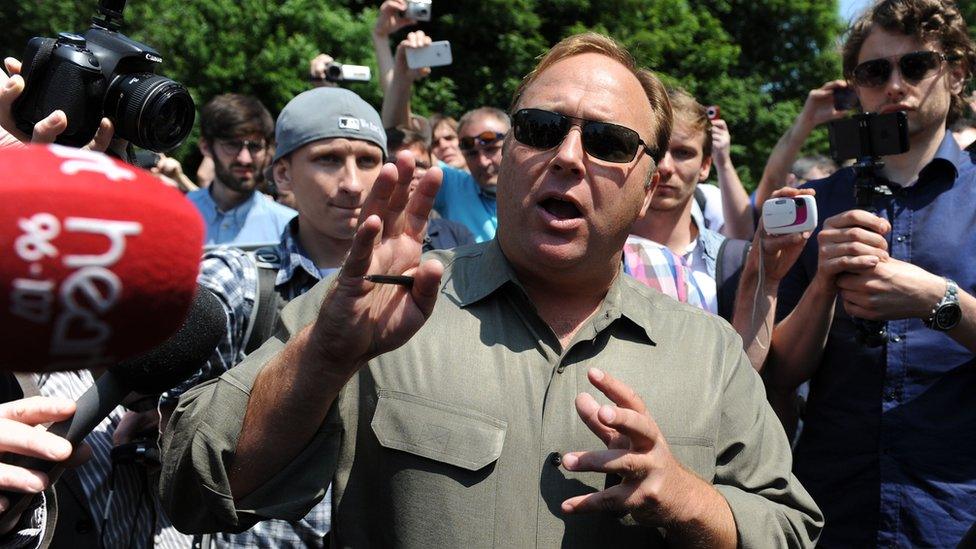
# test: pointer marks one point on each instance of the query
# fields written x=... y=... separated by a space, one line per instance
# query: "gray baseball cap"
x=324 y=113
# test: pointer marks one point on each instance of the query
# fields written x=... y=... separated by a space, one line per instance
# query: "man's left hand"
x=892 y=290
x=721 y=140
x=655 y=489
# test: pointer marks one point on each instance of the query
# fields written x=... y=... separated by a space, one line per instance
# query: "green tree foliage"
x=755 y=58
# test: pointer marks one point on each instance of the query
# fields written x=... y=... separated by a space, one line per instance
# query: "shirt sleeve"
x=35 y=527
x=200 y=440
x=754 y=465
x=231 y=275
x=448 y=184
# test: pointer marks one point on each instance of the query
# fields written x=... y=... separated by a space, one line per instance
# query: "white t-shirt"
x=714 y=218
x=693 y=257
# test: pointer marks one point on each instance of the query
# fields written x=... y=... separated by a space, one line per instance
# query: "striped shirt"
x=123 y=500
x=660 y=268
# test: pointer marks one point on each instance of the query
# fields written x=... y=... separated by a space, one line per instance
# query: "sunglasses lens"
x=610 y=142
x=872 y=73
x=539 y=129
x=919 y=65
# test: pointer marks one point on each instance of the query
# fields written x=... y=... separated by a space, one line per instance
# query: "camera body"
x=338 y=72
x=789 y=215
x=418 y=10
x=713 y=112
x=103 y=73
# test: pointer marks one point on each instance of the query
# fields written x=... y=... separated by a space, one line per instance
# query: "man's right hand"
x=852 y=241
x=819 y=106
x=390 y=19
x=358 y=319
x=22 y=433
x=414 y=40
x=47 y=129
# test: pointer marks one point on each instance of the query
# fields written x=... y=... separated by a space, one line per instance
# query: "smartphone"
x=437 y=54
x=713 y=112
x=789 y=215
x=844 y=99
x=146 y=159
x=868 y=135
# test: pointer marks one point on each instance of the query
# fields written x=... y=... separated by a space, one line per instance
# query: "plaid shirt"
x=232 y=275
x=660 y=268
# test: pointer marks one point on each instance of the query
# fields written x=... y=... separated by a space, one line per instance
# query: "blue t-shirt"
x=462 y=200
x=259 y=220
x=888 y=447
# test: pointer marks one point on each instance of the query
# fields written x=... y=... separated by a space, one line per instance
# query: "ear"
x=282 y=174
x=205 y=148
x=705 y=169
x=649 y=192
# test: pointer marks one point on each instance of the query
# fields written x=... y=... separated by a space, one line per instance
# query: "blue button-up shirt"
x=462 y=200
x=259 y=220
x=888 y=448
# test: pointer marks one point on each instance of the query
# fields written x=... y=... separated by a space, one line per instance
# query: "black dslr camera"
x=103 y=73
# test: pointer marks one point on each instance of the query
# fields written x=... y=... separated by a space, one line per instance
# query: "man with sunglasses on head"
x=469 y=197
x=888 y=447
x=236 y=133
x=441 y=395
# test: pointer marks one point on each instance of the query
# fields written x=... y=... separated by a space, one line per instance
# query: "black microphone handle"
x=92 y=407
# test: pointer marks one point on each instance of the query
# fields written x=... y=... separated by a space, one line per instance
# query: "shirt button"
x=900 y=238
x=889 y=395
x=555 y=459
x=896 y=339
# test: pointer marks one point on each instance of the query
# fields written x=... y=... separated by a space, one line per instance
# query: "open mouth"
x=560 y=209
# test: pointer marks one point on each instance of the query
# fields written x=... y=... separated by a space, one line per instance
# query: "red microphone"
x=99 y=259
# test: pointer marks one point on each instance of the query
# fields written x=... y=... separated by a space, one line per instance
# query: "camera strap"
x=40 y=60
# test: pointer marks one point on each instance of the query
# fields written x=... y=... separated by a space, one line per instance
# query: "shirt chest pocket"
x=437 y=461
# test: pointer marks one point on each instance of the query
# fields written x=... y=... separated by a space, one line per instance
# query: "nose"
x=666 y=166
x=350 y=180
x=895 y=86
x=569 y=155
x=244 y=156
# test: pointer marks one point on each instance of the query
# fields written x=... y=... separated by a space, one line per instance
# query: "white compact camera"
x=418 y=10
x=789 y=215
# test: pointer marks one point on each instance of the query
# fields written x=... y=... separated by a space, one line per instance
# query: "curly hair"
x=926 y=21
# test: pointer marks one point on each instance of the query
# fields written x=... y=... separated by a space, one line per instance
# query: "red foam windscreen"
x=99 y=259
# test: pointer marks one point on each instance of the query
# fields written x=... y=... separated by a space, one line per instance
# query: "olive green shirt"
x=452 y=440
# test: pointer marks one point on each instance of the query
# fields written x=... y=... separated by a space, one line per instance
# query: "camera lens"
x=151 y=111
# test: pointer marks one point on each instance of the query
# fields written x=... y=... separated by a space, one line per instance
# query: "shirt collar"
x=490 y=271
x=293 y=257
x=948 y=160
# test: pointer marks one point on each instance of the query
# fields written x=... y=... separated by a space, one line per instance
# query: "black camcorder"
x=103 y=73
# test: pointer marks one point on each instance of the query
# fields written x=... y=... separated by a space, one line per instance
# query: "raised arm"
x=388 y=21
x=818 y=109
x=735 y=201
x=755 y=302
x=396 y=102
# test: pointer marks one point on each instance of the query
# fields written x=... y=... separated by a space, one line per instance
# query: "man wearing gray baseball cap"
x=330 y=147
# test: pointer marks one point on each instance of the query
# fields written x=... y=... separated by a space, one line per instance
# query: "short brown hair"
x=438 y=119
x=591 y=42
x=924 y=20
x=402 y=137
x=233 y=115
x=491 y=112
x=689 y=111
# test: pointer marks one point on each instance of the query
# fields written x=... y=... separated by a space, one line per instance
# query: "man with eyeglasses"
x=442 y=395
x=888 y=447
x=469 y=197
x=236 y=132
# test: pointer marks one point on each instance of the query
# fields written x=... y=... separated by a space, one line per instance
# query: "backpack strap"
x=267 y=302
x=700 y=198
x=732 y=255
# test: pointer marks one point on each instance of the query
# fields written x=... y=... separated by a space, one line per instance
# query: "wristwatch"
x=947 y=313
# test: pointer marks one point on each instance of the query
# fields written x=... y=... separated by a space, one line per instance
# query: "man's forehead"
x=342 y=143
x=884 y=43
x=604 y=81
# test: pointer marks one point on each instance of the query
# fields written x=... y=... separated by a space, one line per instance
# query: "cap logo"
x=346 y=123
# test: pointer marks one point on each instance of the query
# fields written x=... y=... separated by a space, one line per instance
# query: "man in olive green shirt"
x=443 y=411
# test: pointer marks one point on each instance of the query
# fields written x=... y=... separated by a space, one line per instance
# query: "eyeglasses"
x=544 y=130
x=480 y=140
x=232 y=147
x=914 y=67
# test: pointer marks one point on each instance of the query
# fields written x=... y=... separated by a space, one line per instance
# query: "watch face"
x=948 y=316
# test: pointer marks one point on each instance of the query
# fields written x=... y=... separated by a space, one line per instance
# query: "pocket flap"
x=438 y=431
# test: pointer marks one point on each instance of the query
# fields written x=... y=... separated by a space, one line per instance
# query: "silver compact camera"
x=418 y=10
x=338 y=72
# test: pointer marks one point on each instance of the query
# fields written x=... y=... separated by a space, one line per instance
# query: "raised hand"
x=390 y=19
x=358 y=319
x=780 y=252
x=416 y=39
x=819 y=106
x=46 y=130
x=655 y=488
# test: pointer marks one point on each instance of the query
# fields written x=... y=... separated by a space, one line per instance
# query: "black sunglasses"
x=914 y=67
x=544 y=130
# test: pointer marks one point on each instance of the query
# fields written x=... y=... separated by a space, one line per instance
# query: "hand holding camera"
x=45 y=130
x=392 y=17
x=824 y=103
x=403 y=69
